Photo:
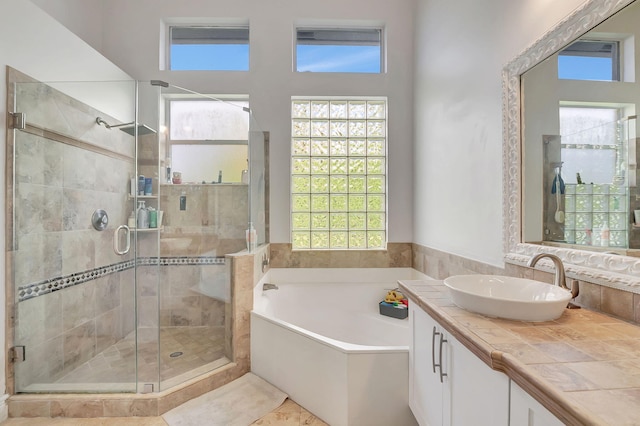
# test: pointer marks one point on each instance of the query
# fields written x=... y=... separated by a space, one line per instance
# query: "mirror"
x=528 y=180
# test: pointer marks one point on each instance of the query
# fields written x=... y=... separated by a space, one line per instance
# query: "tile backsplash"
x=439 y=265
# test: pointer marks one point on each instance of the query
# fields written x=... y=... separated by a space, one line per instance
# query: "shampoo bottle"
x=153 y=217
x=142 y=216
x=252 y=238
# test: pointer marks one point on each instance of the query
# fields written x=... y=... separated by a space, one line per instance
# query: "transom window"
x=339 y=50
x=338 y=174
x=209 y=48
x=590 y=60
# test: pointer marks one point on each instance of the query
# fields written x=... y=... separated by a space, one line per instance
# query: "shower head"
x=159 y=83
x=143 y=129
x=128 y=128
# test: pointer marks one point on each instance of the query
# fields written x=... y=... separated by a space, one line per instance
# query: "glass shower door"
x=204 y=194
x=74 y=296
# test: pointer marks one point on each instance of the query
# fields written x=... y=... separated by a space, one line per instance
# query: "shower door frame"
x=51 y=286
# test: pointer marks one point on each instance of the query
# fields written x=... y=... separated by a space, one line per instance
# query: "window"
x=208 y=137
x=591 y=143
x=199 y=48
x=338 y=183
x=339 y=50
x=590 y=60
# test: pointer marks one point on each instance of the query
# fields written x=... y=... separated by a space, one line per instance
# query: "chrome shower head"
x=128 y=128
x=143 y=129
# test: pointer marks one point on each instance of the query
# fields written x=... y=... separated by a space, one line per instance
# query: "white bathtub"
x=321 y=339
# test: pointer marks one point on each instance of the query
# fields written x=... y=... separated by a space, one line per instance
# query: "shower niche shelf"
x=143 y=230
x=144 y=197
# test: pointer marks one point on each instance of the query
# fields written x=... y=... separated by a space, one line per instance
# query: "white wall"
x=131 y=40
x=461 y=48
x=83 y=17
x=34 y=43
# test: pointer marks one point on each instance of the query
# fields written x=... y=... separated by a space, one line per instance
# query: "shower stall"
x=99 y=301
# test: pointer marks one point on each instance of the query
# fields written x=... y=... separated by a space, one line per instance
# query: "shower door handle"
x=116 y=240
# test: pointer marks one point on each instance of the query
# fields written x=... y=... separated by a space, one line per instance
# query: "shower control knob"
x=100 y=220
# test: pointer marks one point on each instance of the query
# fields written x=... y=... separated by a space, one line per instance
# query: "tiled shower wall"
x=65 y=168
x=74 y=296
x=212 y=226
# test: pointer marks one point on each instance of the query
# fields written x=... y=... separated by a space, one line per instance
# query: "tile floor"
x=288 y=414
x=115 y=366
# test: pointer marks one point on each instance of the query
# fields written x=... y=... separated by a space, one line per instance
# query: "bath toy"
x=393 y=296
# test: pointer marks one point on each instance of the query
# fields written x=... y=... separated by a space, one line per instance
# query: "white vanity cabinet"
x=426 y=390
x=448 y=384
x=526 y=411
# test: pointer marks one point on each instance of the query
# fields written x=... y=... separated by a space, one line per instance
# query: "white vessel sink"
x=508 y=297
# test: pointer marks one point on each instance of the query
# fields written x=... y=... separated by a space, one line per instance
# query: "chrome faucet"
x=560 y=277
x=267 y=286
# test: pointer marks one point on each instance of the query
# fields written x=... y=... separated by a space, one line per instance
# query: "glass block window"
x=338 y=174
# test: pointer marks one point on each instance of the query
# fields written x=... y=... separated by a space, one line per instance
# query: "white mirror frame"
x=621 y=272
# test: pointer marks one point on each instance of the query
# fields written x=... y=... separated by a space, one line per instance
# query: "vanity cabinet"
x=526 y=411
x=448 y=384
x=426 y=390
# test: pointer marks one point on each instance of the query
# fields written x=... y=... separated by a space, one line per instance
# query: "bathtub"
x=321 y=339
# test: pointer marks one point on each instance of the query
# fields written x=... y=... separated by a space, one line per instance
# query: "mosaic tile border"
x=50 y=285
x=204 y=260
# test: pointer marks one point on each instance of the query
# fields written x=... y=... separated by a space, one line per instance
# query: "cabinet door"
x=425 y=389
x=526 y=411
x=479 y=395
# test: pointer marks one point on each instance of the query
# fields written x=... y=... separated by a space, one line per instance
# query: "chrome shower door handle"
x=116 y=240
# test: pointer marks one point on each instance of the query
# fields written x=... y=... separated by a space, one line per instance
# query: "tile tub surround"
x=397 y=255
x=584 y=367
x=439 y=265
x=244 y=276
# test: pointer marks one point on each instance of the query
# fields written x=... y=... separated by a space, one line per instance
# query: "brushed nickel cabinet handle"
x=442 y=340
x=433 y=348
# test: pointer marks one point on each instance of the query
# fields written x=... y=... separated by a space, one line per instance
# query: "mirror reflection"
x=580 y=143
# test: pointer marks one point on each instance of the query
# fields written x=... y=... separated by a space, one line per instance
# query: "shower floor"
x=114 y=368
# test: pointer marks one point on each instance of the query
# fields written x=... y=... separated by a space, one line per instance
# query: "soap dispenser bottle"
x=131 y=222
x=142 y=216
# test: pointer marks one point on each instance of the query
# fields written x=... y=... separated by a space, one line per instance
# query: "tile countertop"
x=584 y=367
